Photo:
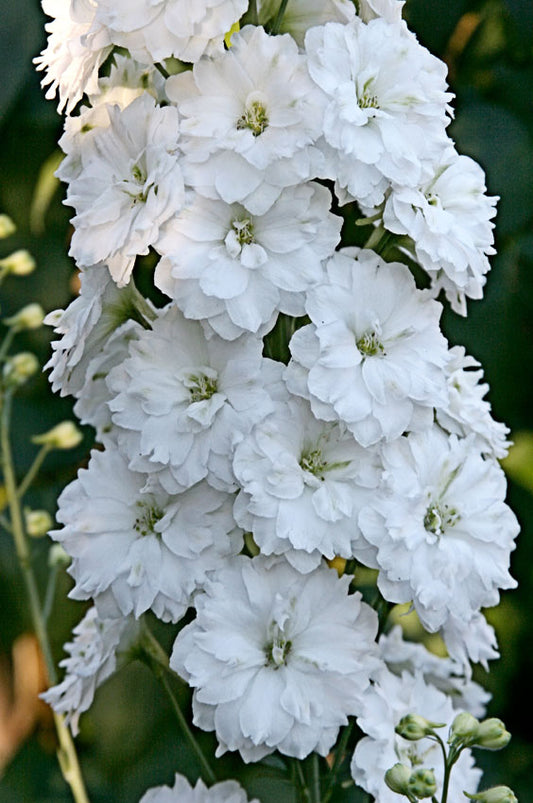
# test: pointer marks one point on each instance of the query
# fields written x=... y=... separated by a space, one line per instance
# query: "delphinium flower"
x=135 y=548
x=389 y=699
x=373 y=355
x=470 y=640
x=277 y=659
x=442 y=532
x=303 y=483
x=238 y=270
x=249 y=118
x=183 y=401
x=183 y=792
x=93 y=655
x=385 y=105
x=129 y=184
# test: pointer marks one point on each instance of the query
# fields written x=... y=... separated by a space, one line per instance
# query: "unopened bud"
x=492 y=735
x=7 y=227
x=422 y=783
x=414 y=727
x=464 y=728
x=497 y=794
x=29 y=317
x=57 y=556
x=19 y=368
x=19 y=263
x=397 y=778
x=65 y=435
x=38 y=522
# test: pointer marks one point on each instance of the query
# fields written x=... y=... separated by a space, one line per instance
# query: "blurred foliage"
x=128 y=741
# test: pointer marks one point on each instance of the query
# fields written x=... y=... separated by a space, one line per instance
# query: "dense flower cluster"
x=228 y=480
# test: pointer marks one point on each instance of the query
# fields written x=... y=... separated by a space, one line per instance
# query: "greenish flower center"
x=369 y=345
x=277 y=652
x=368 y=101
x=202 y=387
x=255 y=118
x=134 y=187
x=439 y=518
x=149 y=515
x=244 y=230
x=313 y=462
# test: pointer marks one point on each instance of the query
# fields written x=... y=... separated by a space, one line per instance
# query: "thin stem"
x=339 y=757
x=5 y=524
x=161 y=69
x=276 y=25
x=300 y=780
x=315 y=779
x=50 y=593
x=68 y=761
x=379 y=240
x=33 y=470
x=8 y=339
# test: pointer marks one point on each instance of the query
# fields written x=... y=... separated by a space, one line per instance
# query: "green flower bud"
x=422 y=783
x=492 y=735
x=65 y=435
x=464 y=728
x=57 y=556
x=19 y=368
x=497 y=794
x=7 y=227
x=19 y=263
x=397 y=778
x=38 y=522
x=414 y=727
x=29 y=317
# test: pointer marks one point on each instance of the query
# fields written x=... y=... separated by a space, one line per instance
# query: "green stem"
x=315 y=780
x=50 y=593
x=8 y=339
x=276 y=25
x=33 y=470
x=337 y=763
x=379 y=240
x=161 y=69
x=66 y=754
x=5 y=524
x=300 y=780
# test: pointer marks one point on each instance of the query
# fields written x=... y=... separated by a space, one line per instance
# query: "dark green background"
x=128 y=741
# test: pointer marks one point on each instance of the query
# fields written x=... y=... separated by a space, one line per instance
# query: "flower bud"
x=464 y=728
x=422 y=783
x=397 y=778
x=19 y=368
x=414 y=727
x=497 y=794
x=7 y=227
x=19 y=263
x=492 y=735
x=38 y=522
x=57 y=556
x=65 y=435
x=29 y=317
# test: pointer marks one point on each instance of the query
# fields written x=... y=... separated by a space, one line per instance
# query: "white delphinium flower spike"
x=249 y=119
x=385 y=703
x=129 y=184
x=277 y=659
x=184 y=401
x=442 y=532
x=134 y=548
x=373 y=356
x=98 y=645
x=385 y=104
x=183 y=792
x=448 y=216
x=303 y=484
x=238 y=270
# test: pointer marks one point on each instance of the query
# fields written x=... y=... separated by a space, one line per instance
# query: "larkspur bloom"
x=373 y=355
x=129 y=184
x=249 y=119
x=135 y=548
x=442 y=532
x=470 y=640
x=183 y=792
x=303 y=484
x=99 y=646
x=184 y=401
x=277 y=659
x=385 y=703
x=238 y=270
x=385 y=104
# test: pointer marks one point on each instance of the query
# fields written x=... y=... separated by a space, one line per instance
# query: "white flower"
x=87 y=323
x=467 y=411
x=442 y=531
x=445 y=674
x=97 y=646
x=251 y=266
x=390 y=10
x=385 y=703
x=385 y=104
x=448 y=217
x=470 y=640
x=183 y=792
x=278 y=660
x=373 y=355
x=77 y=46
x=248 y=119
x=303 y=484
x=129 y=184
x=300 y=15
x=184 y=401
x=135 y=549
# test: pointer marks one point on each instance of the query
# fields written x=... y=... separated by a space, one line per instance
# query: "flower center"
x=244 y=231
x=149 y=515
x=440 y=517
x=255 y=118
x=368 y=101
x=369 y=345
x=313 y=462
x=201 y=387
x=277 y=651
x=135 y=186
